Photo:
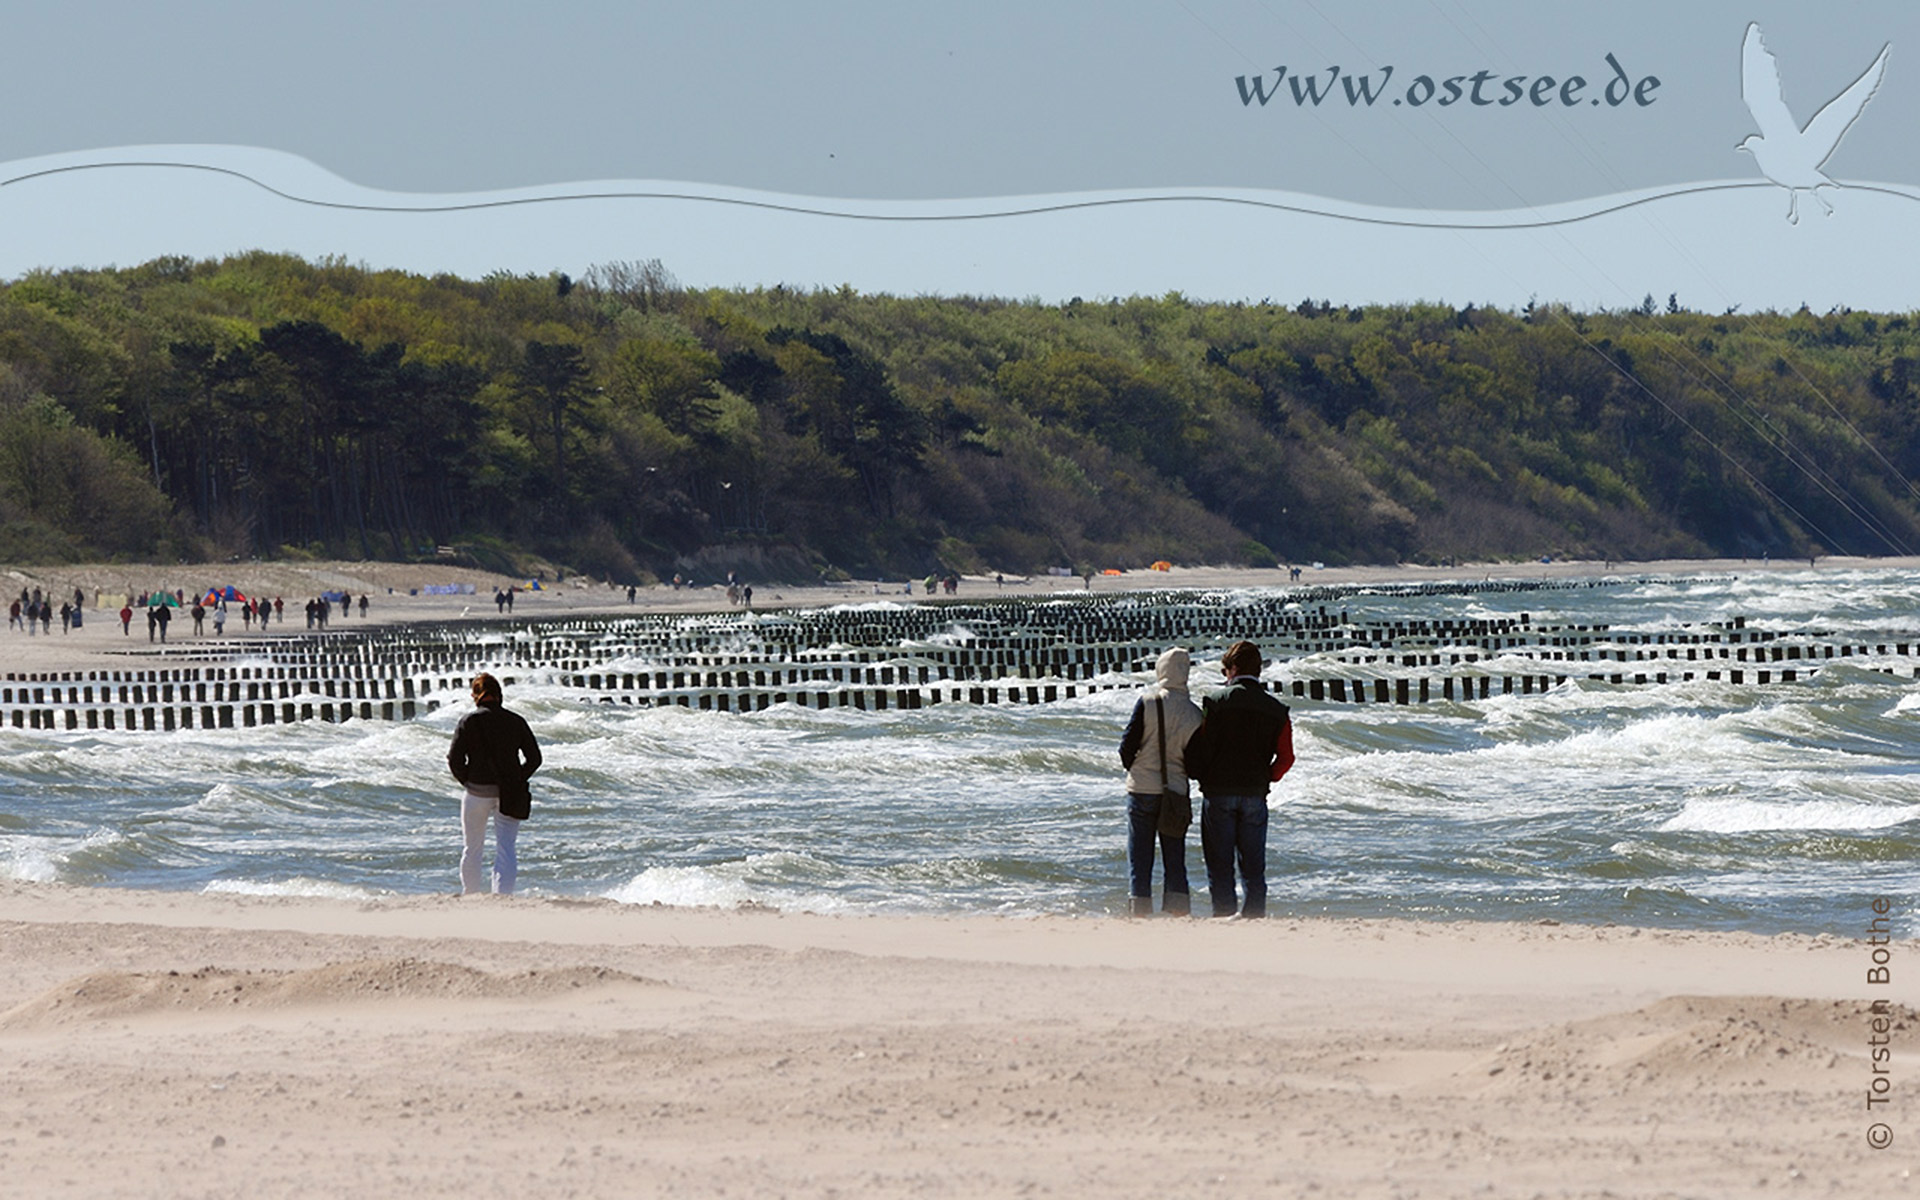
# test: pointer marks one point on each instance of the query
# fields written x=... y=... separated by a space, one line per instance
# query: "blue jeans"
x=1235 y=827
x=1143 y=826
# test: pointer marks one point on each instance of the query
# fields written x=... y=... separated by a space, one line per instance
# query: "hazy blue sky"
x=945 y=98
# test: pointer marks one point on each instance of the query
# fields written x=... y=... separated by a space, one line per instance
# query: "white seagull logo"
x=1787 y=154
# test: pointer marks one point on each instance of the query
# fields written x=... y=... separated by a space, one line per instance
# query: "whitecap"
x=1717 y=814
x=728 y=885
x=31 y=859
x=27 y=858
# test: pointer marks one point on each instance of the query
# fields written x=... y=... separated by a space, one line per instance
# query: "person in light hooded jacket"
x=1164 y=705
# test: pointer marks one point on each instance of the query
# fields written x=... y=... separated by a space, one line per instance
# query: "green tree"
x=555 y=375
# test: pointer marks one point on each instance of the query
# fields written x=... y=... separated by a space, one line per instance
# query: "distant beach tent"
x=533 y=585
x=1113 y=571
x=1162 y=565
x=229 y=594
x=158 y=597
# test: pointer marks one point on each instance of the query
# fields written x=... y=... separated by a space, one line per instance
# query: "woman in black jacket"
x=493 y=753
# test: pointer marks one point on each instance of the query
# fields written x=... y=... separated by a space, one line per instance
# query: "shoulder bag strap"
x=1160 y=716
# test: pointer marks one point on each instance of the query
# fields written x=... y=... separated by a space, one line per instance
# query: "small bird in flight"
x=1786 y=153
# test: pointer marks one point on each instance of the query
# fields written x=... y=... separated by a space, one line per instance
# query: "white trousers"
x=474 y=811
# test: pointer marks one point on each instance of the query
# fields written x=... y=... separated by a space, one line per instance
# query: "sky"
x=1190 y=124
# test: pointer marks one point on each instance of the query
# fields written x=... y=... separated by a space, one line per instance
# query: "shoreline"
x=1322 y=946
x=215 y=1045
x=101 y=643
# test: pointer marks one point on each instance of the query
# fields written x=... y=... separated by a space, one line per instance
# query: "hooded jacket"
x=1140 y=746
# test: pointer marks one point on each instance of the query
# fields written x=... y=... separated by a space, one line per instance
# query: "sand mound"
x=1740 y=1041
x=115 y=994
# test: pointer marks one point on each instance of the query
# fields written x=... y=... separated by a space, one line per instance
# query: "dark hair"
x=1242 y=658
x=485 y=688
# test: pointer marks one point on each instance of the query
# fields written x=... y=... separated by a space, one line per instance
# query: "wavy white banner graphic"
x=1716 y=244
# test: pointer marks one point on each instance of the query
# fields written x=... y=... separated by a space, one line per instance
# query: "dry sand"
x=162 y=1044
x=175 y=1044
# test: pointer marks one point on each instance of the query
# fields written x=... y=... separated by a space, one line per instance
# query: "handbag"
x=516 y=799
x=1176 y=809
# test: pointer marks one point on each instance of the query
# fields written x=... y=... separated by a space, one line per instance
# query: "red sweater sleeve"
x=1283 y=752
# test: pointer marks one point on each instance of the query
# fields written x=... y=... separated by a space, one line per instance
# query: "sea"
x=1700 y=804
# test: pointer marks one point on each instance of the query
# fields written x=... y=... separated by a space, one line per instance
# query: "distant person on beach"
x=363 y=606
x=13 y=616
x=1244 y=744
x=493 y=753
x=199 y=614
x=126 y=620
x=1153 y=750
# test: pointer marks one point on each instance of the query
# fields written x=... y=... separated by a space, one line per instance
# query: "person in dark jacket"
x=1244 y=744
x=493 y=753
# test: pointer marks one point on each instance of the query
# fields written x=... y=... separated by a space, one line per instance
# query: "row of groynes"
x=881 y=657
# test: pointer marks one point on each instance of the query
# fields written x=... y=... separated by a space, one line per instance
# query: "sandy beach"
x=171 y=1044
x=164 y=1044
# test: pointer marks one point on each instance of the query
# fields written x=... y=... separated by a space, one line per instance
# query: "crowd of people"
x=33 y=611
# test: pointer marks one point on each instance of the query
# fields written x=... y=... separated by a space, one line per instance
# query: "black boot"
x=1177 y=904
x=1143 y=906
